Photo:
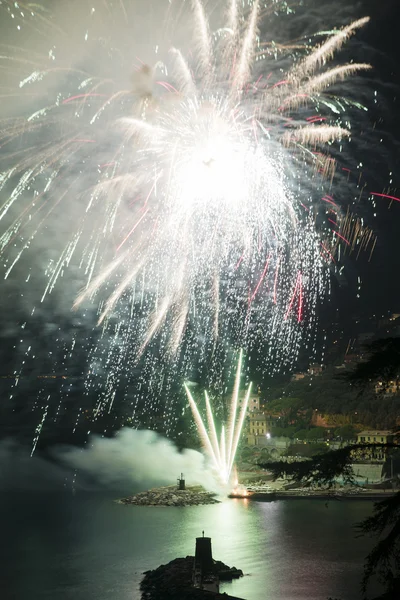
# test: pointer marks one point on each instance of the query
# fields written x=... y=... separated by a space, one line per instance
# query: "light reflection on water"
x=88 y=548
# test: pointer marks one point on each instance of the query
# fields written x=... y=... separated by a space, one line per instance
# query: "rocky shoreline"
x=171 y=496
x=174 y=581
x=307 y=494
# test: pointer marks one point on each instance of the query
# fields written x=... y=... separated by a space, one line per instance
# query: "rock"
x=170 y=496
x=229 y=574
x=174 y=580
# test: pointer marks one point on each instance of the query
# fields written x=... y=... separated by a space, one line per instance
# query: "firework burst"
x=189 y=196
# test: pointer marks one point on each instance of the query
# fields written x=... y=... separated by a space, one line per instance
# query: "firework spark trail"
x=216 y=304
x=212 y=430
x=243 y=69
x=202 y=40
x=183 y=73
x=233 y=409
x=223 y=454
x=315 y=135
x=179 y=328
x=238 y=429
x=260 y=280
x=395 y=198
x=201 y=429
x=223 y=450
x=326 y=50
x=201 y=165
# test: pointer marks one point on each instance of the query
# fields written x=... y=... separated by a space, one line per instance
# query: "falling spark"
x=183 y=208
x=205 y=165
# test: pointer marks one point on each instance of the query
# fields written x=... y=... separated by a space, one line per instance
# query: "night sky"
x=379 y=285
x=379 y=294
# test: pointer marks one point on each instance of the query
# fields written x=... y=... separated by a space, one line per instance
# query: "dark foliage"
x=383 y=364
x=340 y=400
x=322 y=468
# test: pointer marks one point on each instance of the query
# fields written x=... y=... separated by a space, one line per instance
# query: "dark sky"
x=379 y=292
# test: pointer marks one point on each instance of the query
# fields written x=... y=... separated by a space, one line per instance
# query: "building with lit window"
x=257 y=424
x=374 y=436
x=258 y=429
x=391 y=388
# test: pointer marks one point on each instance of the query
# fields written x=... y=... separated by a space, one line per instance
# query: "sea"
x=85 y=546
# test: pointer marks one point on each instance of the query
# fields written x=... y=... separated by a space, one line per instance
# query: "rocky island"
x=190 y=578
x=193 y=495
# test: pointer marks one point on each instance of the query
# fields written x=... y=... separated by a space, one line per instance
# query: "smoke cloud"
x=131 y=460
x=137 y=457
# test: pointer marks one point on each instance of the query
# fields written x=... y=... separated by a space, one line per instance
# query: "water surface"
x=86 y=547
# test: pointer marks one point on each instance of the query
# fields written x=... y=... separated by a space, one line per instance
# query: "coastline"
x=326 y=495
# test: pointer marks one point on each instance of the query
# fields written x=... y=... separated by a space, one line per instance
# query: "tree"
x=322 y=468
x=346 y=432
x=384 y=559
x=301 y=434
x=288 y=408
x=283 y=431
x=382 y=365
x=316 y=433
x=306 y=450
x=348 y=396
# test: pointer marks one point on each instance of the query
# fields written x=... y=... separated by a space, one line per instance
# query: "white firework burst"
x=188 y=195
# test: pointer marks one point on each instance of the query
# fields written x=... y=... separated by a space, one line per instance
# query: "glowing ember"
x=239 y=491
